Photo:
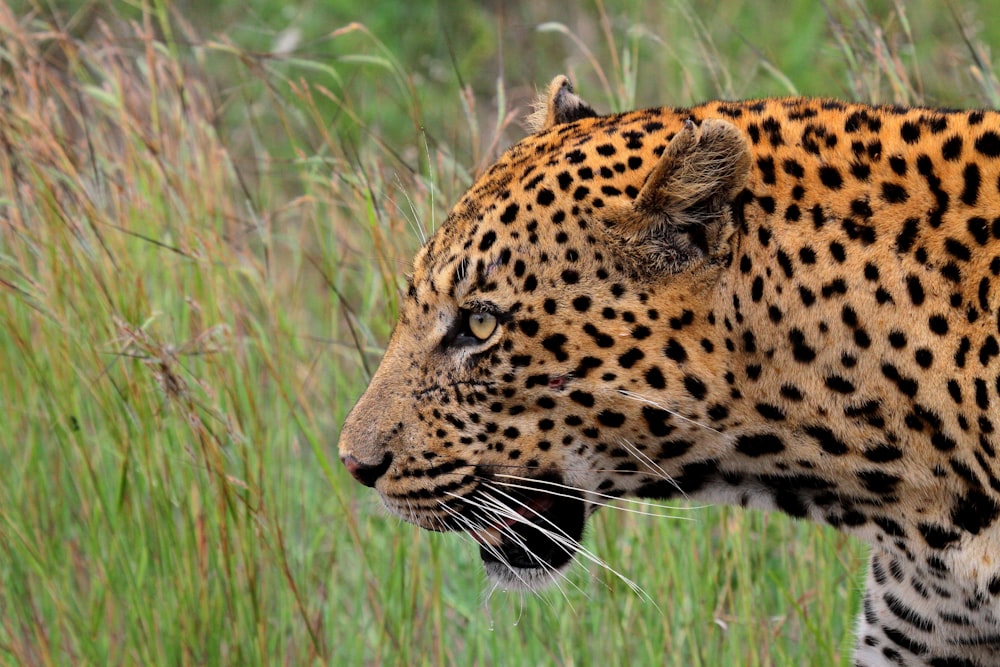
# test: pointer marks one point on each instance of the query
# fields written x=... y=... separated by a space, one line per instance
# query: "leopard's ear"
x=558 y=105
x=684 y=212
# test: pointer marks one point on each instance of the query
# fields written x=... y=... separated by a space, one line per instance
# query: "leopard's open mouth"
x=527 y=531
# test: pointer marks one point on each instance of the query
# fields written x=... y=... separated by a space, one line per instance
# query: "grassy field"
x=204 y=217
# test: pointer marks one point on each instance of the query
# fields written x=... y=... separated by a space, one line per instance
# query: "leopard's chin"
x=530 y=545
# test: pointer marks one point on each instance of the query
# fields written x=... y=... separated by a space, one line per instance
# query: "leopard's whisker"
x=508 y=513
x=619 y=499
x=648 y=401
x=610 y=506
x=503 y=512
x=649 y=463
x=470 y=526
x=571 y=469
x=495 y=516
x=560 y=537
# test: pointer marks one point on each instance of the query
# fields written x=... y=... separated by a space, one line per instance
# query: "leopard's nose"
x=366 y=473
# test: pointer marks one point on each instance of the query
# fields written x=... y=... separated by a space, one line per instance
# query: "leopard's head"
x=529 y=377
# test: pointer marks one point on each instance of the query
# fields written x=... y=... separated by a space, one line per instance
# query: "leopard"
x=780 y=304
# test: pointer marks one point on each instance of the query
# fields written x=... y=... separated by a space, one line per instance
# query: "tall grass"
x=200 y=252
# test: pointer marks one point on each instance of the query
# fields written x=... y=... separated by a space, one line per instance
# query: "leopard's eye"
x=481 y=325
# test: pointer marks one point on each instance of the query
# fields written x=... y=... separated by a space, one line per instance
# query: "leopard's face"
x=470 y=439
x=523 y=386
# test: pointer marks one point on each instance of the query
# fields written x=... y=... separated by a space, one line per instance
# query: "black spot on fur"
x=830 y=177
x=878 y=481
x=509 y=214
x=975 y=511
x=489 y=238
x=759 y=445
x=675 y=351
x=630 y=358
x=554 y=344
x=800 y=350
x=655 y=379
x=916 y=290
x=910 y=132
x=894 y=193
x=770 y=412
x=972 y=180
x=840 y=384
x=937 y=537
x=827 y=440
x=610 y=418
x=989 y=144
x=695 y=387
x=657 y=420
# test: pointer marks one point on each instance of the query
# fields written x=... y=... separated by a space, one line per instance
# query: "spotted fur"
x=785 y=304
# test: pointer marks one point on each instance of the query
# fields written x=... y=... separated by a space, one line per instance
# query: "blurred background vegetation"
x=205 y=212
x=403 y=71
